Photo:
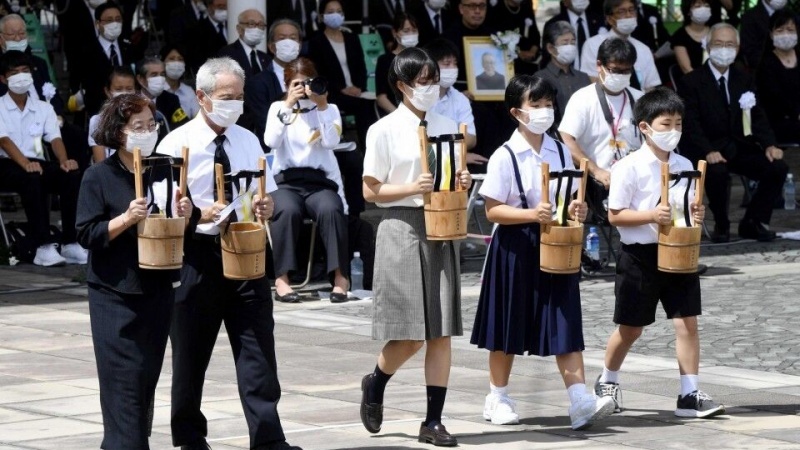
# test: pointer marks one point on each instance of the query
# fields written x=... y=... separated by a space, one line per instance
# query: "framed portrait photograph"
x=488 y=69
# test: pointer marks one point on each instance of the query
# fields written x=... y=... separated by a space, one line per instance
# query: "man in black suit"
x=650 y=30
x=76 y=23
x=299 y=11
x=433 y=18
x=284 y=45
x=714 y=130
x=151 y=78
x=585 y=24
x=489 y=78
x=382 y=14
x=213 y=29
x=184 y=29
x=755 y=30
x=252 y=28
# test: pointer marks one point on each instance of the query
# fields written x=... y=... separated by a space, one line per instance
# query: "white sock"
x=498 y=391
x=688 y=384
x=576 y=392
x=609 y=376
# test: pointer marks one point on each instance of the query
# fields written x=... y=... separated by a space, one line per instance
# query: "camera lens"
x=318 y=85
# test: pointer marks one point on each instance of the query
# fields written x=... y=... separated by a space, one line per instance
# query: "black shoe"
x=721 y=235
x=436 y=435
x=698 y=404
x=283 y=445
x=701 y=269
x=371 y=413
x=291 y=297
x=338 y=297
x=201 y=445
x=749 y=229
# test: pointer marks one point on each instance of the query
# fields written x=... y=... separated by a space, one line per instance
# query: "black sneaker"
x=612 y=390
x=698 y=404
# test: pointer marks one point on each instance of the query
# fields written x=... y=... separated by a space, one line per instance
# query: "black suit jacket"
x=593 y=22
x=260 y=91
x=381 y=16
x=709 y=125
x=184 y=30
x=425 y=26
x=76 y=26
x=93 y=71
x=282 y=9
x=321 y=52
x=209 y=40
x=754 y=34
x=644 y=29
x=170 y=106
x=238 y=53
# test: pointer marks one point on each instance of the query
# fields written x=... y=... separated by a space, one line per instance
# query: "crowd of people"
x=590 y=85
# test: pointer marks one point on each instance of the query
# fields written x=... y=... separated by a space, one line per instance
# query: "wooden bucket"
x=678 y=249
x=446 y=215
x=244 y=246
x=161 y=242
x=560 y=248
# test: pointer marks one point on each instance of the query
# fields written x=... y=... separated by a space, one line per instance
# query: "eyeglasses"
x=475 y=6
x=19 y=35
x=259 y=25
x=619 y=71
x=625 y=12
x=719 y=44
x=111 y=20
x=151 y=127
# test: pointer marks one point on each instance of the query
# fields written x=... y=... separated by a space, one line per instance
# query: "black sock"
x=379 y=381
x=436 y=395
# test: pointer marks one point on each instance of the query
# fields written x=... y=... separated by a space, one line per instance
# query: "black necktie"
x=581 y=36
x=254 y=67
x=437 y=23
x=221 y=30
x=398 y=7
x=113 y=56
x=723 y=91
x=221 y=157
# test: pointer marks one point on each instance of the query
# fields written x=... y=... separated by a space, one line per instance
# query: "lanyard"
x=615 y=126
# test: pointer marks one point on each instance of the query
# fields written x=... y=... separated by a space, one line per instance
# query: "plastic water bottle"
x=356 y=273
x=788 y=193
x=593 y=244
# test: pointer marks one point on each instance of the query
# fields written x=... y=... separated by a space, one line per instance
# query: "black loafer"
x=436 y=435
x=291 y=297
x=283 y=445
x=202 y=445
x=338 y=297
x=371 y=413
x=701 y=269
x=720 y=235
x=755 y=230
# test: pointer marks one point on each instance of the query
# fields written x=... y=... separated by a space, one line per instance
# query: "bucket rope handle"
x=161 y=161
x=247 y=175
x=569 y=174
x=698 y=175
x=426 y=140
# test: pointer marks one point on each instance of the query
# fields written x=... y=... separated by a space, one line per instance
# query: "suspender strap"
x=601 y=95
x=517 y=177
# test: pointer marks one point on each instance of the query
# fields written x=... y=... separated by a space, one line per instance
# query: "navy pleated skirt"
x=522 y=309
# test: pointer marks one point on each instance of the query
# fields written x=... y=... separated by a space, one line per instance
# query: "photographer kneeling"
x=303 y=130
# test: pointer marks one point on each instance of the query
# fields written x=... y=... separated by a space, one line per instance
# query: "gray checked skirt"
x=417 y=282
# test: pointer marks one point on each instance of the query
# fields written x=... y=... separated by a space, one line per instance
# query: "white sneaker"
x=74 y=253
x=500 y=410
x=589 y=410
x=47 y=256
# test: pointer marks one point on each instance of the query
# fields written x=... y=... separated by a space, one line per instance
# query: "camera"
x=318 y=85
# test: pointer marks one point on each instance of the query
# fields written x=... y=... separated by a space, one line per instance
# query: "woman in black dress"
x=687 y=42
x=778 y=79
x=404 y=30
x=129 y=308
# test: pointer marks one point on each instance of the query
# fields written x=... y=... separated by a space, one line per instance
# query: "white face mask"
x=616 y=82
x=20 y=83
x=112 y=31
x=626 y=26
x=146 y=142
x=224 y=113
x=566 y=53
x=777 y=4
x=409 y=40
x=287 y=50
x=539 y=119
x=253 y=36
x=156 y=85
x=438 y=4
x=785 y=41
x=448 y=77
x=665 y=140
x=701 y=15
x=19 y=46
x=580 y=5
x=333 y=20
x=220 y=15
x=175 y=69
x=722 y=56
x=95 y=3
x=424 y=97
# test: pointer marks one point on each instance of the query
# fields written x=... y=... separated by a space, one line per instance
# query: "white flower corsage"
x=528 y=24
x=507 y=41
x=747 y=101
x=12 y=261
x=48 y=91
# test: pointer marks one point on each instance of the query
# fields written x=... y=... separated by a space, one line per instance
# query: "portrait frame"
x=482 y=86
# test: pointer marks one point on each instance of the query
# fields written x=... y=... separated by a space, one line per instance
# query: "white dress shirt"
x=727 y=76
x=292 y=144
x=279 y=73
x=247 y=50
x=392 y=153
x=636 y=185
x=106 y=44
x=584 y=120
x=455 y=105
x=573 y=20
x=644 y=67
x=188 y=99
x=243 y=151
x=94 y=123
x=500 y=183
x=27 y=127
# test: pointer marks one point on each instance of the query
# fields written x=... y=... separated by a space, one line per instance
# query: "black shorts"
x=639 y=285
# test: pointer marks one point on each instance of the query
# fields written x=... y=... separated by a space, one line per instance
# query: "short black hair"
x=408 y=65
x=122 y=72
x=780 y=18
x=400 y=21
x=13 y=59
x=610 y=5
x=661 y=101
x=98 y=12
x=441 y=48
x=168 y=48
x=686 y=9
x=527 y=87
x=616 y=50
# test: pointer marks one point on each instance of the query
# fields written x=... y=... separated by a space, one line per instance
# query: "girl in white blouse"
x=303 y=130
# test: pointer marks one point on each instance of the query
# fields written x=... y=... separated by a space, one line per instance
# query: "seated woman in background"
x=687 y=41
x=406 y=35
x=778 y=78
x=121 y=81
x=302 y=130
x=175 y=62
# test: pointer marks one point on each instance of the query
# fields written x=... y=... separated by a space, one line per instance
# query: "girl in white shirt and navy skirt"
x=417 y=283
x=522 y=309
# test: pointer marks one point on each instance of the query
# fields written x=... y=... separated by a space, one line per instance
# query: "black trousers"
x=129 y=333
x=295 y=200
x=752 y=164
x=34 y=187
x=203 y=301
